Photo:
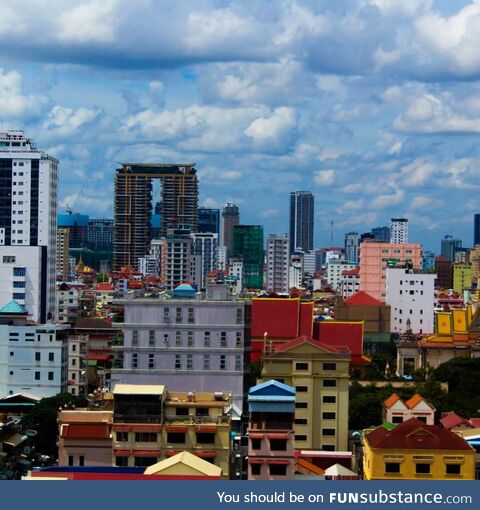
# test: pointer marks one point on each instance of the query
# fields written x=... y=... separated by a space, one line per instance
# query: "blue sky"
x=374 y=105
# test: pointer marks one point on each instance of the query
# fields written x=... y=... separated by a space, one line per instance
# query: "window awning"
x=146 y=453
x=256 y=436
x=278 y=436
x=122 y=428
x=278 y=461
x=206 y=455
x=122 y=453
x=176 y=428
x=15 y=440
x=208 y=429
x=146 y=428
x=253 y=460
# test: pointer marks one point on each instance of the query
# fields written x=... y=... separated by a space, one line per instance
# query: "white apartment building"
x=410 y=294
x=77 y=355
x=28 y=189
x=68 y=302
x=278 y=255
x=399 y=231
x=205 y=244
x=350 y=283
x=335 y=268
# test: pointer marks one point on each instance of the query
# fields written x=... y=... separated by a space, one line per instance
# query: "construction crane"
x=68 y=207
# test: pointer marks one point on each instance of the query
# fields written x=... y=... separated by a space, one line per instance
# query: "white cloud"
x=269 y=213
x=275 y=128
x=418 y=173
x=325 y=177
x=64 y=122
x=14 y=104
x=387 y=200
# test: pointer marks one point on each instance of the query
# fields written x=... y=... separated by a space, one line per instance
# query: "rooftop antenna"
x=331 y=232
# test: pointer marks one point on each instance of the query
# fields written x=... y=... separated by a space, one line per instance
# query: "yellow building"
x=320 y=375
x=151 y=424
x=462 y=277
x=413 y=450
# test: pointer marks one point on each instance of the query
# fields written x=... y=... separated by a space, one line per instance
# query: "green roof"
x=13 y=307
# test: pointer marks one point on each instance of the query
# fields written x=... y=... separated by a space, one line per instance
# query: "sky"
x=373 y=105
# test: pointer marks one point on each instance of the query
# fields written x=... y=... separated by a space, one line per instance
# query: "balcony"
x=144 y=418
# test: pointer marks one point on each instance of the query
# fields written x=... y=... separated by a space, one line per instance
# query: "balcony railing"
x=127 y=418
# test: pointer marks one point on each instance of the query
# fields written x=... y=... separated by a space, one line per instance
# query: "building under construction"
x=133 y=205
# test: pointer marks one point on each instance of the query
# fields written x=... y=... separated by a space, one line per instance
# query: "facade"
x=352 y=247
x=230 y=218
x=151 y=424
x=278 y=255
x=398 y=231
x=296 y=271
x=320 y=375
x=33 y=358
x=28 y=219
x=176 y=257
x=68 y=303
x=350 y=283
x=248 y=246
x=205 y=245
x=381 y=234
x=271 y=450
x=428 y=260
x=476 y=229
x=449 y=247
x=100 y=232
x=186 y=343
x=374 y=259
x=133 y=206
x=209 y=220
x=416 y=451
x=77 y=225
x=444 y=271
x=77 y=365
x=462 y=277
x=410 y=295
x=63 y=260
x=301 y=221
x=335 y=268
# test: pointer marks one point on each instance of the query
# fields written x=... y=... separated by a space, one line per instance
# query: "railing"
x=273 y=425
x=127 y=418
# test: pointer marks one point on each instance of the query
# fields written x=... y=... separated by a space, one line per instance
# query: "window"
x=17 y=295
x=37 y=376
x=422 y=469
x=206 y=437
x=397 y=419
x=300 y=437
x=178 y=338
x=277 y=469
x=223 y=339
x=122 y=437
x=166 y=314
x=176 y=437
x=328 y=447
x=256 y=443
x=256 y=469
x=206 y=338
x=51 y=356
x=134 y=360
x=301 y=405
x=189 y=361
x=329 y=366
x=50 y=376
x=144 y=461
x=37 y=356
x=145 y=437
x=453 y=469
x=329 y=383
x=328 y=432
x=178 y=316
x=279 y=445
x=301 y=389
x=239 y=315
x=202 y=411
x=238 y=339
x=189 y=338
x=191 y=316
x=392 y=467
x=70 y=460
x=18 y=285
x=301 y=421
x=301 y=366
x=151 y=338
x=238 y=362
x=223 y=362
x=165 y=338
x=178 y=362
x=8 y=259
x=328 y=416
x=206 y=362
x=121 y=461
x=134 y=337
x=151 y=360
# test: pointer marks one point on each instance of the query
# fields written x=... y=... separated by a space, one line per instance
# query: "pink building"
x=376 y=257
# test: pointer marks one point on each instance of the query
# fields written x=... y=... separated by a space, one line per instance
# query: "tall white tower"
x=398 y=231
x=28 y=225
x=278 y=261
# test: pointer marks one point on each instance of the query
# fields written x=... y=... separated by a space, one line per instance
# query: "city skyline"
x=265 y=100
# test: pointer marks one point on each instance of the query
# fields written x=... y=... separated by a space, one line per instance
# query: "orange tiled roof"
x=391 y=400
x=416 y=399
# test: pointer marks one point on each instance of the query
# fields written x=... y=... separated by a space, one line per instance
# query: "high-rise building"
x=399 y=231
x=208 y=220
x=301 y=220
x=77 y=225
x=248 y=245
x=100 y=232
x=133 y=205
x=230 y=218
x=381 y=234
x=352 y=247
x=278 y=257
x=62 y=253
x=449 y=246
x=476 y=229
x=28 y=225
x=205 y=245
x=444 y=271
x=176 y=257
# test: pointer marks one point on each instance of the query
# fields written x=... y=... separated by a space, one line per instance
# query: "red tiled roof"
x=351 y=272
x=339 y=334
x=361 y=298
x=475 y=422
x=415 y=435
x=279 y=318
x=415 y=400
x=104 y=287
x=135 y=284
x=391 y=400
x=85 y=431
x=453 y=420
x=98 y=357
